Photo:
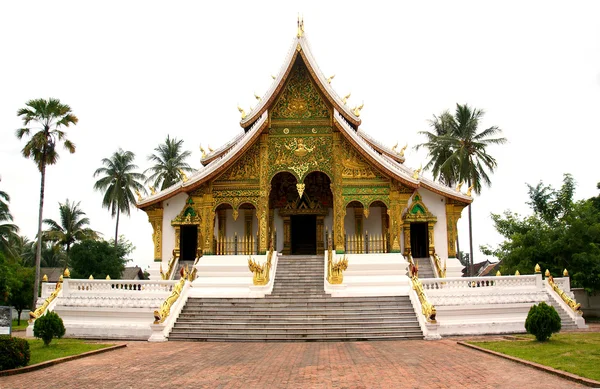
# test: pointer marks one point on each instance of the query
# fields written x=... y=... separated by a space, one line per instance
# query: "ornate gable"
x=300 y=100
x=246 y=168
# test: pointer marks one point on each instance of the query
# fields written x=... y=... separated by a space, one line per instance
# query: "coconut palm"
x=72 y=227
x=169 y=162
x=46 y=118
x=458 y=152
x=119 y=182
x=8 y=231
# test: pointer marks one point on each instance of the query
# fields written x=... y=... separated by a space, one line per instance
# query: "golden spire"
x=273 y=77
x=45 y=278
x=107 y=277
x=547 y=273
x=538 y=269
x=184 y=177
x=242 y=112
x=139 y=195
x=498 y=274
x=357 y=110
x=402 y=150
x=152 y=190
x=470 y=190
x=300 y=26
x=257 y=97
x=67 y=273
x=460 y=184
x=394 y=147
x=91 y=277
x=210 y=150
x=202 y=151
x=330 y=78
x=517 y=273
x=565 y=273
x=417 y=172
x=345 y=99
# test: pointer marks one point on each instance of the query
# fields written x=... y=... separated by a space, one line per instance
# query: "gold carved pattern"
x=339 y=211
x=418 y=212
x=398 y=199
x=299 y=155
x=246 y=168
x=453 y=213
x=263 y=203
x=300 y=98
x=354 y=165
x=155 y=217
x=236 y=197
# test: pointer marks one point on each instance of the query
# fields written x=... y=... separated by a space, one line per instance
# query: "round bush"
x=14 y=352
x=542 y=321
x=48 y=326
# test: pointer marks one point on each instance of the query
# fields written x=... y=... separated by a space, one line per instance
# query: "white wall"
x=171 y=208
x=436 y=204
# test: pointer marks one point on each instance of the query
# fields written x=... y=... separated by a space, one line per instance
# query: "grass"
x=577 y=353
x=21 y=327
x=59 y=348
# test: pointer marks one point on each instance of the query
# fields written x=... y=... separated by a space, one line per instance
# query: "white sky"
x=136 y=71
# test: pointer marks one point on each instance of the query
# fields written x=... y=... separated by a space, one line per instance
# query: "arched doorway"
x=418 y=227
x=301 y=209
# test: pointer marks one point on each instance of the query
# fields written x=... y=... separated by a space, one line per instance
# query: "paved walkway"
x=399 y=364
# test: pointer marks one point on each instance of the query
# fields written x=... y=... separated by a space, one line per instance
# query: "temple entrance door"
x=304 y=234
x=419 y=241
x=188 y=243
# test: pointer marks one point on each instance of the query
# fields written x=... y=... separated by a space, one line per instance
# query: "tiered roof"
x=345 y=120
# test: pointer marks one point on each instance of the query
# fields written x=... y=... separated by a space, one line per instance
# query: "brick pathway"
x=400 y=364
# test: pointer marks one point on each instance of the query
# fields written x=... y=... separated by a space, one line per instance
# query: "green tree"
x=457 y=152
x=21 y=294
x=8 y=231
x=72 y=227
x=42 y=121
x=560 y=234
x=53 y=255
x=119 y=181
x=169 y=162
x=98 y=258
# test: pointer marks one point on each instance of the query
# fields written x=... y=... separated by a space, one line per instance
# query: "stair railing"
x=161 y=314
x=42 y=308
x=335 y=269
x=574 y=305
x=260 y=272
x=427 y=308
x=441 y=271
x=170 y=268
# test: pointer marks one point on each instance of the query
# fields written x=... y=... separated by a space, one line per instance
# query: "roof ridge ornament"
x=345 y=99
x=300 y=33
x=242 y=112
x=417 y=172
x=357 y=110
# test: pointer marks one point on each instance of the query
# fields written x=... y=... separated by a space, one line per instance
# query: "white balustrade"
x=73 y=287
x=471 y=283
x=48 y=288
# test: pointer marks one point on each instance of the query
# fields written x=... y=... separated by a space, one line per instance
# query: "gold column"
x=399 y=196
x=177 y=240
x=339 y=210
x=265 y=188
x=206 y=204
x=453 y=213
x=406 y=232
x=155 y=217
x=222 y=216
x=430 y=231
x=384 y=227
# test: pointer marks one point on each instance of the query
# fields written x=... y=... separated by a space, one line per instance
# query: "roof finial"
x=345 y=99
x=330 y=78
x=356 y=110
x=300 y=26
x=242 y=112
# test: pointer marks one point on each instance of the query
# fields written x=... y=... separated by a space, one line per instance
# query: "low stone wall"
x=590 y=302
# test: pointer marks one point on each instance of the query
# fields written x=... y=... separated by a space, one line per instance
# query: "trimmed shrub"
x=14 y=352
x=542 y=321
x=48 y=326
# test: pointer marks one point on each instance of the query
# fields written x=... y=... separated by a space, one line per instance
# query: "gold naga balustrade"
x=261 y=272
x=427 y=308
x=438 y=265
x=40 y=311
x=161 y=315
x=167 y=275
x=574 y=305
x=335 y=268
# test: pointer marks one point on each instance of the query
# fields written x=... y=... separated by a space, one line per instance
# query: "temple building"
x=301 y=169
x=305 y=228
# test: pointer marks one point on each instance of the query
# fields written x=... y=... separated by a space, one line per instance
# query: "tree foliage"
x=542 y=321
x=118 y=180
x=560 y=234
x=71 y=228
x=48 y=326
x=14 y=352
x=99 y=258
x=8 y=231
x=169 y=161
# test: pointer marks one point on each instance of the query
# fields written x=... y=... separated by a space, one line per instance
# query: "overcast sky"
x=134 y=72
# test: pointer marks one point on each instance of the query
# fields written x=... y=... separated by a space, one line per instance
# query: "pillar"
x=155 y=217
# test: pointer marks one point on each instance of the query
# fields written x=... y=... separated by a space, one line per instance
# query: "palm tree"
x=71 y=227
x=8 y=231
x=119 y=182
x=48 y=116
x=169 y=163
x=458 y=152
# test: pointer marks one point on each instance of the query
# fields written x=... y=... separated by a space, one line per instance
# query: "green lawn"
x=59 y=348
x=21 y=327
x=577 y=353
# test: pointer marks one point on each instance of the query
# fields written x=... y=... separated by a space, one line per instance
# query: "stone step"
x=273 y=329
x=250 y=336
x=390 y=299
x=272 y=303
x=283 y=321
